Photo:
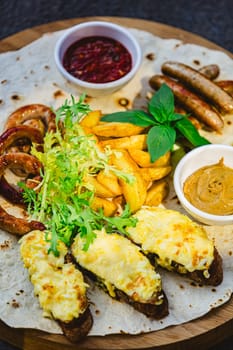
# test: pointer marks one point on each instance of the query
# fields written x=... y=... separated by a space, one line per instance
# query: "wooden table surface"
x=201 y=333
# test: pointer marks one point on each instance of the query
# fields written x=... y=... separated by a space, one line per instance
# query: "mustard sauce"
x=210 y=189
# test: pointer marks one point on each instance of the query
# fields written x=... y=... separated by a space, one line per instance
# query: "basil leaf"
x=176 y=116
x=188 y=130
x=161 y=105
x=160 y=139
x=166 y=125
x=136 y=117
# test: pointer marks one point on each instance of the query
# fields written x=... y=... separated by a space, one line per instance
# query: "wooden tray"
x=202 y=333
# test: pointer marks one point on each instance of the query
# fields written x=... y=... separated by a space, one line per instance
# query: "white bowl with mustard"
x=203 y=181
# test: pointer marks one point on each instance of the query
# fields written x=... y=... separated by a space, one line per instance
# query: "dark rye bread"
x=78 y=328
x=150 y=309
x=215 y=272
x=155 y=308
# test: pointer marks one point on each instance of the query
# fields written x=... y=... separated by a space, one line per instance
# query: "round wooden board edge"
x=179 y=337
x=174 y=337
x=20 y=39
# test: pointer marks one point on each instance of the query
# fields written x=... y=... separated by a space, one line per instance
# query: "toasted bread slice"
x=176 y=243
x=59 y=285
x=120 y=268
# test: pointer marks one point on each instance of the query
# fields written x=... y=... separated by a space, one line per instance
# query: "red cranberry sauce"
x=97 y=59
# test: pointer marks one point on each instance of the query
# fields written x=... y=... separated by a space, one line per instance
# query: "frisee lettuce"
x=62 y=200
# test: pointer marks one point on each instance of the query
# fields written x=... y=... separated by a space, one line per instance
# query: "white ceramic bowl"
x=98 y=28
x=192 y=161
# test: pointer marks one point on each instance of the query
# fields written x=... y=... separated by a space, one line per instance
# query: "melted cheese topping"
x=60 y=287
x=119 y=264
x=173 y=237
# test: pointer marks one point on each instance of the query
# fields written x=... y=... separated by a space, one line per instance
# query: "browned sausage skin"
x=200 y=83
x=190 y=101
x=33 y=111
x=11 y=193
x=28 y=163
x=226 y=85
x=211 y=71
x=18 y=226
x=12 y=135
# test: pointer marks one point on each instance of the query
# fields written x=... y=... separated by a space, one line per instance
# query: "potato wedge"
x=91 y=119
x=110 y=181
x=157 y=193
x=88 y=131
x=119 y=201
x=134 y=193
x=99 y=189
x=116 y=129
x=152 y=174
x=135 y=142
x=142 y=158
x=109 y=207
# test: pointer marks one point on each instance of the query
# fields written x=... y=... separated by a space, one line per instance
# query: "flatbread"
x=29 y=76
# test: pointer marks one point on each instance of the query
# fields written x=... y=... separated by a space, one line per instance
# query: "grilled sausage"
x=30 y=165
x=18 y=226
x=12 y=135
x=27 y=162
x=226 y=85
x=190 y=101
x=201 y=84
x=32 y=111
x=210 y=71
x=10 y=193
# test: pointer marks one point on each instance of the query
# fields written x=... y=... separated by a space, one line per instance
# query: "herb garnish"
x=165 y=126
x=62 y=200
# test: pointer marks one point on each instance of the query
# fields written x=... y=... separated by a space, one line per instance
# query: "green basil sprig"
x=165 y=126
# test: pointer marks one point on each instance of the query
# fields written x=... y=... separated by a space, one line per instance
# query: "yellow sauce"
x=210 y=189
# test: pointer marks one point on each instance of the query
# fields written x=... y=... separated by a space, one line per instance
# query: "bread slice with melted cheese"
x=177 y=244
x=120 y=268
x=59 y=286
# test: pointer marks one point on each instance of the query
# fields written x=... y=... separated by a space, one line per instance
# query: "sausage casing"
x=200 y=83
x=210 y=71
x=190 y=101
x=226 y=85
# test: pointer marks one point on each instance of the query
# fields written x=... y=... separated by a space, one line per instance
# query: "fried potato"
x=119 y=201
x=88 y=131
x=135 y=142
x=116 y=129
x=99 y=189
x=157 y=193
x=91 y=119
x=110 y=181
x=142 y=158
x=135 y=192
x=109 y=207
x=152 y=174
